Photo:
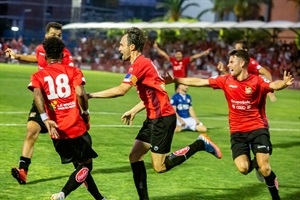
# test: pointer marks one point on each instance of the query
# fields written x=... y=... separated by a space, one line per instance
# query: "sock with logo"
x=76 y=179
x=272 y=184
x=24 y=163
x=180 y=156
x=140 y=179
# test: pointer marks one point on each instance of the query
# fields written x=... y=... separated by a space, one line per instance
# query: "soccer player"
x=158 y=128
x=186 y=116
x=243 y=92
x=59 y=97
x=253 y=68
x=34 y=123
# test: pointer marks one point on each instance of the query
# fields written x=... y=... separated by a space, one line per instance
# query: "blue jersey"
x=182 y=104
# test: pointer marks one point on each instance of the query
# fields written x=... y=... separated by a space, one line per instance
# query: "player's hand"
x=288 y=78
x=9 y=53
x=127 y=118
x=168 y=78
x=272 y=97
x=51 y=126
x=207 y=51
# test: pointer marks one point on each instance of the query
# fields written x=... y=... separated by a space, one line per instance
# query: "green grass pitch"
x=201 y=177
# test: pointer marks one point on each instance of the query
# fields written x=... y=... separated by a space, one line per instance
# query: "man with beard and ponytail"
x=157 y=131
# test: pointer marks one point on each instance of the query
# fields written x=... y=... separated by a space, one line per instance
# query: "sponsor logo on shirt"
x=42 y=54
x=232 y=86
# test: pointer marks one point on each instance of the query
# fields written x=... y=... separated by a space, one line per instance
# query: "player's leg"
x=193 y=125
x=262 y=149
x=139 y=149
x=138 y=168
x=34 y=126
x=240 y=152
x=162 y=136
x=80 y=152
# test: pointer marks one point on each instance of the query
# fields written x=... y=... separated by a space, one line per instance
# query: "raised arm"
x=199 y=55
x=281 y=84
x=161 y=52
x=28 y=58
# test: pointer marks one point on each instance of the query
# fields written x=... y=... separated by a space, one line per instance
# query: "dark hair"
x=244 y=44
x=55 y=25
x=243 y=54
x=137 y=37
x=53 y=47
x=178 y=50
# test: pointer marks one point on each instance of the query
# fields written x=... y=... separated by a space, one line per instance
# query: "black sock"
x=140 y=179
x=92 y=187
x=76 y=179
x=24 y=163
x=180 y=156
x=253 y=165
x=272 y=184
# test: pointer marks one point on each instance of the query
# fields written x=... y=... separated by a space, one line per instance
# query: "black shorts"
x=34 y=115
x=159 y=133
x=76 y=150
x=257 y=140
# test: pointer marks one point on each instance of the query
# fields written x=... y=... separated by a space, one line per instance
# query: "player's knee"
x=202 y=129
x=265 y=170
x=134 y=157
x=243 y=168
x=159 y=168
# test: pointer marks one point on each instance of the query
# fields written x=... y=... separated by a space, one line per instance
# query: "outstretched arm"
x=192 y=81
x=281 y=84
x=120 y=90
x=28 y=58
x=199 y=55
x=161 y=52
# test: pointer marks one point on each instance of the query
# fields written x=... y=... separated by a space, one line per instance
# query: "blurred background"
x=276 y=48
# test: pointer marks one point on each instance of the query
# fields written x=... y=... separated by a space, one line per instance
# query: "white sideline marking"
x=139 y=126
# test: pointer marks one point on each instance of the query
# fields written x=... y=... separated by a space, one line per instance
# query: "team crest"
x=248 y=90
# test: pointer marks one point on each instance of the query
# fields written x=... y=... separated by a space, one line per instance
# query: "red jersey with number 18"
x=42 y=62
x=150 y=86
x=58 y=84
x=244 y=100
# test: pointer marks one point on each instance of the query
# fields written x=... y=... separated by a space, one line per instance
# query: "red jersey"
x=42 y=62
x=58 y=84
x=244 y=99
x=150 y=86
x=253 y=67
x=180 y=67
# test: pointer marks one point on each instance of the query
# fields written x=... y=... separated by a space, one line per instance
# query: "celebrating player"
x=157 y=131
x=34 y=123
x=243 y=92
x=59 y=97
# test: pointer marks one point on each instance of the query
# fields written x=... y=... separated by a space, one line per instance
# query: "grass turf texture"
x=201 y=177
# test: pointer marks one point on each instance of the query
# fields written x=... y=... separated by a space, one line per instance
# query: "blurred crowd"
x=103 y=54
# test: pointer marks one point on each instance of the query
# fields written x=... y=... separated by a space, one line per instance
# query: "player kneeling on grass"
x=59 y=96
